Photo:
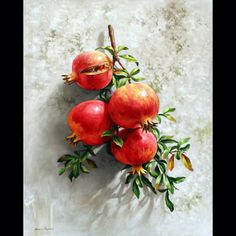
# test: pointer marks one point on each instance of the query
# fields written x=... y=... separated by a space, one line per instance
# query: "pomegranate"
x=138 y=148
x=87 y=121
x=90 y=70
x=133 y=105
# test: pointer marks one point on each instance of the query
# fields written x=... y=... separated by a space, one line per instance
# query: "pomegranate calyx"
x=73 y=139
x=148 y=125
x=68 y=79
x=137 y=169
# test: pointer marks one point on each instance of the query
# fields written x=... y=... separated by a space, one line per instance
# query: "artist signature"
x=45 y=228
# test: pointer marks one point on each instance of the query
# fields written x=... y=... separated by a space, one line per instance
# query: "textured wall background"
x=172 y=40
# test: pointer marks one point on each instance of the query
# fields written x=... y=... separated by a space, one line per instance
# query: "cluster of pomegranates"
x=130 y=109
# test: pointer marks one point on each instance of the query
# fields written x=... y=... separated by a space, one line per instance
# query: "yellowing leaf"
x=171 y=162
x=186 y=161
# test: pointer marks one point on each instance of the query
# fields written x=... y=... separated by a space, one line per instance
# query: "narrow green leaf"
x=91 y=152
x=121 y=48
x=158 y=119
x=122 y=82
x=156 y=132
x=183 y=141
x=169 y=117
x=147 y=182
x=66 y=157
x=169 y=109
x=71 y=176
x=108 y=48
x=128 y=57
x=115 y=82
x=91 y=163
x=83 y=156
x=118 y=141
x=177 y=180
x=185 y=148
x=135 y=189
x=166 y=181
x=162 y=190
x=162 y=167
x=166 y=152
x=107 y=133
x=162 y=138
x=177 y=155
x=84 y=169
x=128 y=178
x=159 y=179
x=138 y=181
x=137 y=79
x=62 y=171
x=153 y=174
x=134 y=71
x=169 y=204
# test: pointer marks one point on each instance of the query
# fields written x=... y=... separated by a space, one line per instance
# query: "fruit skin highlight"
x=87 y=121
x=133 y=105
x=138 y=147
x=91 y=70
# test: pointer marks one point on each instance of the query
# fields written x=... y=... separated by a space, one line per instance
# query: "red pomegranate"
x=90 y=70
x=133 y=105
x=138 y=148
x=87 y=121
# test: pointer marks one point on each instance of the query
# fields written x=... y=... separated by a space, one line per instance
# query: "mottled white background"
x=173 y=41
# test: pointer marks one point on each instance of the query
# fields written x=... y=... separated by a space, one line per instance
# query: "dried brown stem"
x=113 y=44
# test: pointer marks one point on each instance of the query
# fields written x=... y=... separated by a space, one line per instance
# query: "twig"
x=113 y=44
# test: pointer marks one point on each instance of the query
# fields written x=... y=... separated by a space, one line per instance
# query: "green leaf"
x=162 y=190
x=153 y=174
x=159 y=179
x=185 y=148
x=157 y=170
x=156 y=132
x=62 y=170
x=122 y=82
x=166 y=152
x=135 y=189
x=166 y=181
x=128 y=57
x=66 y=157
x=134 y=71
x=115 y=82
x=107 y=133
x=147 y=182
x=84 y=156
x=162 y=138
x=137 y=79
x=71 y=176
x=75 y=170
x=108 y=48
x=118 y=141
x=121 y=48
x=178 y=180
x=158 y=119
x=91 y=163
x=169 y=109
x=169 y=117
x=91 y=152
x=177 y=155
x=138 y=181
x=128 y=178
x=84 y=169
x=183 y=141
x=162 y=167
x=169 y=204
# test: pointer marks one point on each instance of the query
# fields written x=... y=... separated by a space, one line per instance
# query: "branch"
x=113 y=44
